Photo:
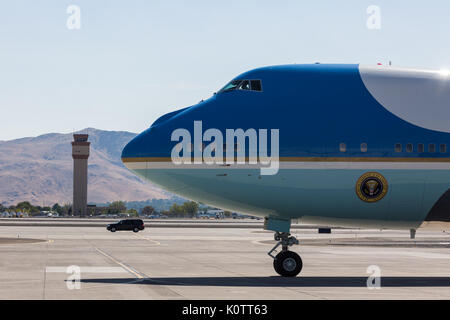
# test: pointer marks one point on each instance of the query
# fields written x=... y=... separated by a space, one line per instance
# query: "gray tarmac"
x=39 y=262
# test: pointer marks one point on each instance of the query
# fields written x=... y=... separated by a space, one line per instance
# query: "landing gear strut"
x=286 y=263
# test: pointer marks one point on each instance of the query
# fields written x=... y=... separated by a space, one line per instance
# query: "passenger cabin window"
x=431 y=148
x=247 y=85
x=398 y=147
x=363 y=147
x=342 y=147
x=443 y=148
x=409 y=147
x=420 y=148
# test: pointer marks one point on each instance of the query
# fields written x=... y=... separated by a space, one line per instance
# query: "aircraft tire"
x=288 y=264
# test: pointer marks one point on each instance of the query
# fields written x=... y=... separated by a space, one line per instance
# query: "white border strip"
x=87 y=270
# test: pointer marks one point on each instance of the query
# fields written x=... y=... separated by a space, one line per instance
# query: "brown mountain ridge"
x=40 y=170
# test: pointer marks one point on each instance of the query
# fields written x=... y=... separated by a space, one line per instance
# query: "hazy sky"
x=132 y=61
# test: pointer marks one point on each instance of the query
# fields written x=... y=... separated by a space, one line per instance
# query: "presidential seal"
x=371 y=187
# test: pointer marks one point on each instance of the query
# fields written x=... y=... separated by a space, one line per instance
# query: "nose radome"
x=154 y=142
x=135 y=148
x=132 y=153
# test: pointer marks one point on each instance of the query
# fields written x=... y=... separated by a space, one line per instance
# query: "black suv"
x=130 y=224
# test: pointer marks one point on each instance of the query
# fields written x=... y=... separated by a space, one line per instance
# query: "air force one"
x=356 y=146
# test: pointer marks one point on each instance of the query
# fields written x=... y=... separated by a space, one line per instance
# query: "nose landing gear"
x=286 y=263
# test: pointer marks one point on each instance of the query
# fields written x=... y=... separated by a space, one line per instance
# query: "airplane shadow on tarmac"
x=279 y=281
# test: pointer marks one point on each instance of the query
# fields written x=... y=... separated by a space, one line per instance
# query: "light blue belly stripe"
x=314 y=196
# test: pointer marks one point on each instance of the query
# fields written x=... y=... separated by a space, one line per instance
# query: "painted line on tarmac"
x=151 y=240
x=86 y=269
x=261 y=242
x=134 y=272
x=161 y=290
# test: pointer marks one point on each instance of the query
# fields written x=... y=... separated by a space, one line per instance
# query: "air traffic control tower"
x=80 y=155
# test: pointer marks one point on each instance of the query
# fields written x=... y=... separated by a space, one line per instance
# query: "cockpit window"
x=248 y=85
x=231 y=86
x=256 y=85
x=245 y=85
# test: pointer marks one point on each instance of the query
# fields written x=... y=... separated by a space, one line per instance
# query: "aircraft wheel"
x=287 y=264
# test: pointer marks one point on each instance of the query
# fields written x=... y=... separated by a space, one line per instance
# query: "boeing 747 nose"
x=322 y=144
